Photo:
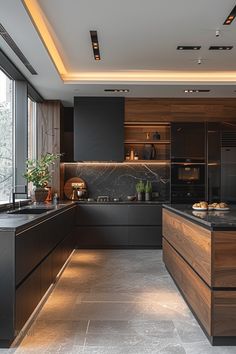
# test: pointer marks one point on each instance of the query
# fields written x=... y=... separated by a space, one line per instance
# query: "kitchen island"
x=199 y=251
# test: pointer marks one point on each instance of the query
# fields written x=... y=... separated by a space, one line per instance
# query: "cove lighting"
x=117 y=77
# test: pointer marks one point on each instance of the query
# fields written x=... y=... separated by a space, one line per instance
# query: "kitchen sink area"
x=30 y=210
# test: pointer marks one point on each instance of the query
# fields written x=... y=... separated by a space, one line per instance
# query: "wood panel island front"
x=199 y=251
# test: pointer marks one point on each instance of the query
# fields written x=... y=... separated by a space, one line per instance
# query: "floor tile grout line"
x=85 y=339
x=87 y=328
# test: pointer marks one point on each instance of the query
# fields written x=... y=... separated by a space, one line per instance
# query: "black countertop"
x=213 y=220
x=125 y=202
x=19 y=222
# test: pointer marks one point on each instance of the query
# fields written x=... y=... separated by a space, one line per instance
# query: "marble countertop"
x=18 y=222
x=214 y=220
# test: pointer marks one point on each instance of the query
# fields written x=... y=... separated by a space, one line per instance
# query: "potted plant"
x=38 y=172
x=140 y=188
x=148 y=191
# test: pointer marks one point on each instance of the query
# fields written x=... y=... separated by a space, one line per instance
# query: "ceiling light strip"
x=231 y=17
x=117 y=90
x=95 y=45
x=220 y=47
x=195 y=91
x=39 y=21
x=188 y=47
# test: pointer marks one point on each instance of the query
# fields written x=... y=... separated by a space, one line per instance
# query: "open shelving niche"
x=139 y=134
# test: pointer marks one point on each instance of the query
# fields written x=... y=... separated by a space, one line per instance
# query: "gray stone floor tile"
x=161 y=329
x=116 y=302
x=206 y=348
x=190 y=331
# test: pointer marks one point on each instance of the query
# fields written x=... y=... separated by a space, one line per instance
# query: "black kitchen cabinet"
x=119 y=226
x=145 y=236
x=33 y=246
x=144 y=215
x=102 y=236
x=28 y=295
x=99 y=129
x=187 y=141
x=28 y=266
x=102 y=214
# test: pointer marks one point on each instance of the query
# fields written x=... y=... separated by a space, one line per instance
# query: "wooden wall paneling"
x=191 y=241
x=194 y=289
x=48 y=120
x=224 y=313
x=180 y=109
x=224 y=259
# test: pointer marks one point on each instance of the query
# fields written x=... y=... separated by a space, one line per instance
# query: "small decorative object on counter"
x=156 y=136
x=135 y=155
x=149 y=152
x=148 y=191
x=140 y=189
x=132 y=154
x=74 y=193
x=127 y=156
x=147 y=136
x=55 y=199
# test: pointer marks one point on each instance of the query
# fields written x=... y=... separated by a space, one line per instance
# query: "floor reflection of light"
x=162 y=302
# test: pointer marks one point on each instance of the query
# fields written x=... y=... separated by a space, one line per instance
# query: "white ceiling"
x=134 y=36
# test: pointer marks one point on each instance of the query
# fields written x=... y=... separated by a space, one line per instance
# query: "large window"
x=32 y=135
x=6 y=137
x=32 y=129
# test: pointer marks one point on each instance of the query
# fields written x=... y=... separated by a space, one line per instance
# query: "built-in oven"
x=187 y=181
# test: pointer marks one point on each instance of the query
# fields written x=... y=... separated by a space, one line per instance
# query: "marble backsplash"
x=119 y=180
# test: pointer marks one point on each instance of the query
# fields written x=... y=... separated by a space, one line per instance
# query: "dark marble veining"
x=119 y=180
x=215 y=219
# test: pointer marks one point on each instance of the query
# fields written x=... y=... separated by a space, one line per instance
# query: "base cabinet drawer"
x=196 y=292
x=99 y=215
x=145 y=236
x=46 y=274
x=28 y=295
x=144 y=215
x=119 y=236
x=104 y=236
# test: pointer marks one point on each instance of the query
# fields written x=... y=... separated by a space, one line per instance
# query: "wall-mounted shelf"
x=138 y=136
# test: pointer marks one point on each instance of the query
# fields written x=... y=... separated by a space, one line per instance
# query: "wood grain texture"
x=224 y=313
x=180 y=109
x=196 y=292
x=193 y=242
x=224 y=259
x=48 y=121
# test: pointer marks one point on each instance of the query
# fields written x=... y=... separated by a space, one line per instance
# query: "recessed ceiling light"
x=95 y=45
x=231 y=17
x=117 y=90
x=188 y=47
x=195 y=91
x=221 y=47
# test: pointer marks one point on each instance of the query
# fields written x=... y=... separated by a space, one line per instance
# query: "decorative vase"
x=40 y=195
x=140 y=196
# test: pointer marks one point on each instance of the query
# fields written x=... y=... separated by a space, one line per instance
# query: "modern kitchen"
x=117 y=177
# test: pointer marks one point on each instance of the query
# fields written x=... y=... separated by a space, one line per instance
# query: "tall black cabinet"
x=188 y=140
x=98 y=128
